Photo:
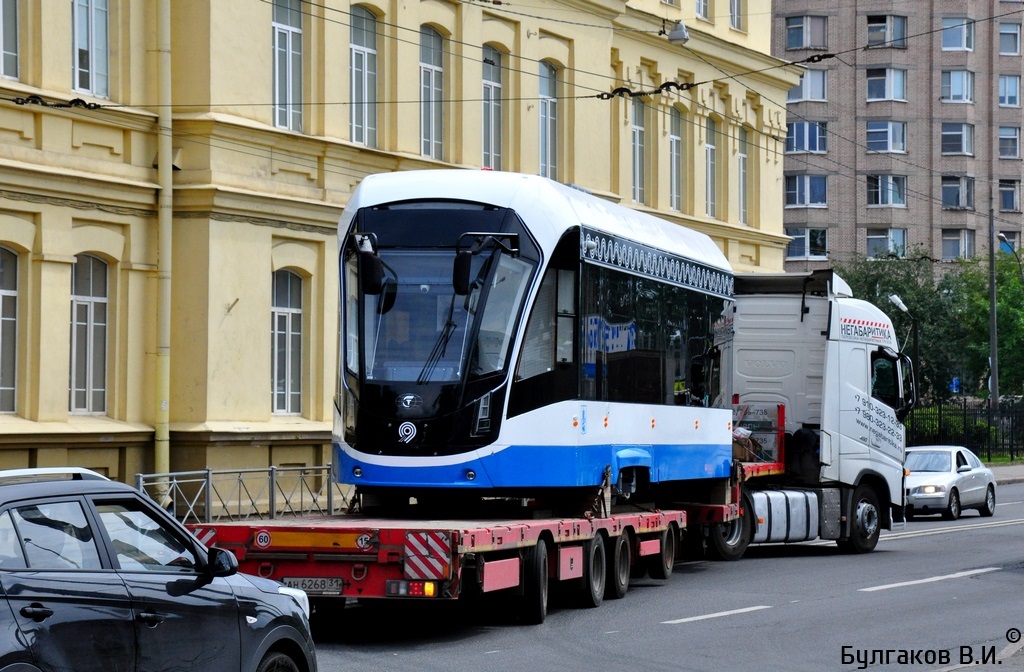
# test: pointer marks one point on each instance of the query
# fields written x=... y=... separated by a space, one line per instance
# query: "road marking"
x=931 y=579
x=950 y=528
x=716 y=615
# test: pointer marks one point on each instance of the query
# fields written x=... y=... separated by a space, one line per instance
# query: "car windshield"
x=928 y=460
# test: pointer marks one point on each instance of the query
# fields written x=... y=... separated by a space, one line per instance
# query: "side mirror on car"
x=221 y=563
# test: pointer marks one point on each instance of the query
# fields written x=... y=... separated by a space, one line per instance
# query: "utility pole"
x=993 y=338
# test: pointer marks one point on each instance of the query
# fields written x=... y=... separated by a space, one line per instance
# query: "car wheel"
x=989 y=507
x=277 y=662
x=952 y=511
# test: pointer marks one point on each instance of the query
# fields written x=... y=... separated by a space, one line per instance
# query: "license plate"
x=314 y=585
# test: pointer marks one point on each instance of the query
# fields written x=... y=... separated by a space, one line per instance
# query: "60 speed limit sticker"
x=262 y=538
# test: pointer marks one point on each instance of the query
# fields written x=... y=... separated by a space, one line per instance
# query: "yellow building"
x=171 y=176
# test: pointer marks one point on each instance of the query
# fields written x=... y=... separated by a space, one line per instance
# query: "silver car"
x=947 y=480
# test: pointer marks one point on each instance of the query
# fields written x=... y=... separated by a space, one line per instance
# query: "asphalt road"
x=934 y=587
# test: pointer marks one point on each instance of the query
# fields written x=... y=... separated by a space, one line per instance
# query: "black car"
x=96 y=577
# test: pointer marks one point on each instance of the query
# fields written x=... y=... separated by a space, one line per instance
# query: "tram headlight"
x=482 y=423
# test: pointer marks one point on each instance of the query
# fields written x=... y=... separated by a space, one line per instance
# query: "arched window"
x=492 y=126
x=363 y=73
x=286 y=337
x=431 y=92
x=89 y=320
x=8 y=328
x=548 y=121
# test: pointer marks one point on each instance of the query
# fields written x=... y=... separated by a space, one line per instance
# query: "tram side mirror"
x=371 y=273
x=461 y=271
x=389 y=293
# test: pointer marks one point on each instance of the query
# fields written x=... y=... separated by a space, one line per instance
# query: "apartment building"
x=904 y=138
x=172 y=174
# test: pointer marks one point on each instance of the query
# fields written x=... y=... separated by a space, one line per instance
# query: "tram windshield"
x=418 y=330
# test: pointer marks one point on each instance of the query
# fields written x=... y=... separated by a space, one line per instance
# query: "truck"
x=539 y=386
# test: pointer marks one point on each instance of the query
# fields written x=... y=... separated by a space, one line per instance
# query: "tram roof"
x=547 y=207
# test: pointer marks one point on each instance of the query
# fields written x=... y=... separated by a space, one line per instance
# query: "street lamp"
x=1020 y=267
x=916 y=328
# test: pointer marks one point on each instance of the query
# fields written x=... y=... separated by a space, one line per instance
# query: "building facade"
x=172 y=174
x=905 y=137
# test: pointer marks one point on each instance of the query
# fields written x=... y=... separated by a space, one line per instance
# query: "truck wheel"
x=277 y=662
x=729 y=541
x=534 y=605
x=660 y=566
x=865 y=522
x=618 y=558
x=594 y=572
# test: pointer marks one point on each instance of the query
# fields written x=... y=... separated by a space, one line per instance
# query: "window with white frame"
x=711 y=168
x=89 y=320
x=90 y=46
x=806 y=136
x=702 y=9
x=1009 y=142
x=887 y=190
x=887 y=31
x=9 y=52
x=1009 y=39
x=807 y=243
x=957 y=192
x=886 y=243
x=806 y=32
x=675 y=159
x=363 y=75
x=742 y=155
x=957 y=244
x=812 y=87
x=286 y=338
x=548 y=120
x=806 y=191
x=736 y=14
x=887 y=84
x=957 y=138
x=639 y=142
x=957 y=86
x=957 y=34
x=1009 y=195
x=1009 y=90
x=8 y=329
x=431 y=93
x=287 y=27
x=1009 y=241
x=492 y=123
x=887 y=136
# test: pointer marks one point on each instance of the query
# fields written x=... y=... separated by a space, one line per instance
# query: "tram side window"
x=547 y=371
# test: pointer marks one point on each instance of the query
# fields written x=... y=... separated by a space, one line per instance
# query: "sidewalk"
x=1007 y=474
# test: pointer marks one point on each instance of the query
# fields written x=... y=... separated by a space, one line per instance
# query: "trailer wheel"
x=619 y=558
x=729 y=541
x=660 y=566
x=866 y=522
x=594 y=573
x=534 y=605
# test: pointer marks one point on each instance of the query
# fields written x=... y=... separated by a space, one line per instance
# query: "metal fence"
x=246 y=494
x=991 y=433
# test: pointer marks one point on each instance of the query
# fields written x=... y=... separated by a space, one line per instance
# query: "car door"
x=185 y=619
x=967 y=481
x=74 y=613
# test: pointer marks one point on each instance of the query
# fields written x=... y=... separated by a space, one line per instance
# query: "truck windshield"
x=419 y=330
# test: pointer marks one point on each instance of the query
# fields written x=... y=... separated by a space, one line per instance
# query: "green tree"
x=914 y=280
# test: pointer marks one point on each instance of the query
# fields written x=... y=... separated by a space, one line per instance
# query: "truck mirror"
x=460 y=272
x=371 y=273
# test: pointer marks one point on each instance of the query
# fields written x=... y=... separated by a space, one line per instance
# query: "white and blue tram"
x=504 y=334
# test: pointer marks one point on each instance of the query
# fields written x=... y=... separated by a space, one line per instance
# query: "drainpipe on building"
x=165 y=204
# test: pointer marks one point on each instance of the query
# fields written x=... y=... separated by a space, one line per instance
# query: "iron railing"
x=991 y=433
x=210 y=496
